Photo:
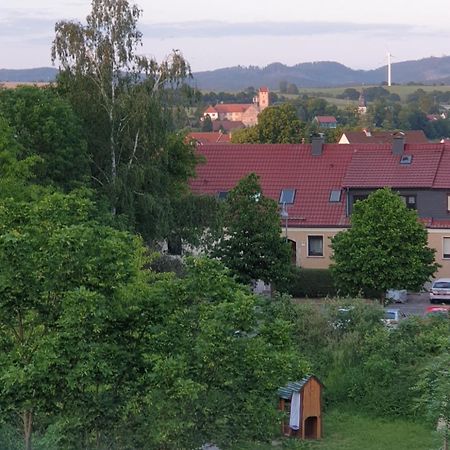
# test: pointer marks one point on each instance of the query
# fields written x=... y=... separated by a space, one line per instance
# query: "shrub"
x=311 y=283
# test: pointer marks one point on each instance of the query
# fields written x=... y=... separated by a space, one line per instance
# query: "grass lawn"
x=345 y=431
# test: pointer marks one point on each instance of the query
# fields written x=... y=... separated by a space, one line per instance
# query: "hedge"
x=311 y=283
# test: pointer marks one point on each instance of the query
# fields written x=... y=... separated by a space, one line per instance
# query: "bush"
x=311 y=283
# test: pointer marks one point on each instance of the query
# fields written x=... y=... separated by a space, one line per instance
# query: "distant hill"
x=40 y=74
x=314 y=74
x=322 y=74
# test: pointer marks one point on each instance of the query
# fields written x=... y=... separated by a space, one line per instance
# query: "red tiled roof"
x=384 y=137
x=227 y=125
x=263 y=89
x=280 y=166
x=326 y=119
x=284 y=166
x=228 y=107
x=209 y=137
x=374 y=169
x=210 y=109
x=442 y=179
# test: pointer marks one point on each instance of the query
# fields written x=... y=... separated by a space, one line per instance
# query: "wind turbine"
x=389 y=56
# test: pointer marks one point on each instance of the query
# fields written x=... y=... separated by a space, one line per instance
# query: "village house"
x=209 y=137
x=325 y=121
x=317 y=184
x=245 y=113
x=365 y=136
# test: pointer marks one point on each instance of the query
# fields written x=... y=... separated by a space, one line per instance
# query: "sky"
x=213 y=34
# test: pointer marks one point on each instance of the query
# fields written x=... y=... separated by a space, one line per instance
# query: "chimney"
x=398 y=144
x=316 y=145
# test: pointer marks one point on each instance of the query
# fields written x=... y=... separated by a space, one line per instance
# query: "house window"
x=222 y=195
x=448 y=202
x=446 y=248
x=409 y=201
x=335 y=196
x=287 y=196
x=315 y=245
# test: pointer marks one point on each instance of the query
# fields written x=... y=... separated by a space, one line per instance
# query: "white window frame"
x=323 y=246
x=444 y=240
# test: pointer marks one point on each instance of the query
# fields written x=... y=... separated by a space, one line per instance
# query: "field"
x=346 y=431
x=403 y=91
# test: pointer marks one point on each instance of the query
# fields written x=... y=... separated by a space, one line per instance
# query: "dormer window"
x=287 y=196
x=335 y=196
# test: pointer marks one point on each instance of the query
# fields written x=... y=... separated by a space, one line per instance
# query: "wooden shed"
x=301 y=401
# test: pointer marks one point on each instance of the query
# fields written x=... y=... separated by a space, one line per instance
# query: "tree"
x=128 y=116
x=434 y=390
x=61 y=275
x=45 y=125
x=292 y=89
x=207 y=124
x=217 y=355
x=276 y=125
x=385 y=248
x=252 y=247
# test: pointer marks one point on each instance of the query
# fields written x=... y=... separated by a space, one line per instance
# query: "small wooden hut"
x=301 y=402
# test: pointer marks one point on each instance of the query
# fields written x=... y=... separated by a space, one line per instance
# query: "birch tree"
x=120 y=95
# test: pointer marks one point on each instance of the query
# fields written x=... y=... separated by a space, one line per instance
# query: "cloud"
x=25 y=27
x=211 y=29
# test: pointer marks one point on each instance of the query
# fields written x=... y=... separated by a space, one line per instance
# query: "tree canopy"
x=138 y=163
x=276 y=125
x=252 y=246
x=385 y=248
x=45 y=125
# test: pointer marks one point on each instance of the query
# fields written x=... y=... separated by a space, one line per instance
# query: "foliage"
x=311 y=283
x=218 y=354
x=137 y=162
x=252 y=247
x=276 y=125
x=385 y=248
x=45 y=125
x=434 y=387
x=59 y=275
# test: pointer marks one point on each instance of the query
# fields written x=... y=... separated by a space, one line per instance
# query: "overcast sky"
x=213 y=34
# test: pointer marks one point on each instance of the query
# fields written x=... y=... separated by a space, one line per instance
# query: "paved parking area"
x=415 y=306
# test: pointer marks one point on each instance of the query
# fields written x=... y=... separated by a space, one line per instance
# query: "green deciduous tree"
x=45 y=125
x=385 y=248
x=61 y=273
x=252 y=246
x=276 y=125
x=217 y=356
x=136 y=161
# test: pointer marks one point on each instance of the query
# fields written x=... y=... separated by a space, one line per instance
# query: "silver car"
x=440 y=291
x=392 y=317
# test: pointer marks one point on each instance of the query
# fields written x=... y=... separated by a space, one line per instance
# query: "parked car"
x=392 y=317
x=442 y=310
x=440 y=291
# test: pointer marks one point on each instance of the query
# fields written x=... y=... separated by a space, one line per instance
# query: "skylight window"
x=287 y=196
x=406 y=159
x=335 y=196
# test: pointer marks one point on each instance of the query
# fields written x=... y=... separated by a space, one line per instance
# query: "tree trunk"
x=27 y=418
